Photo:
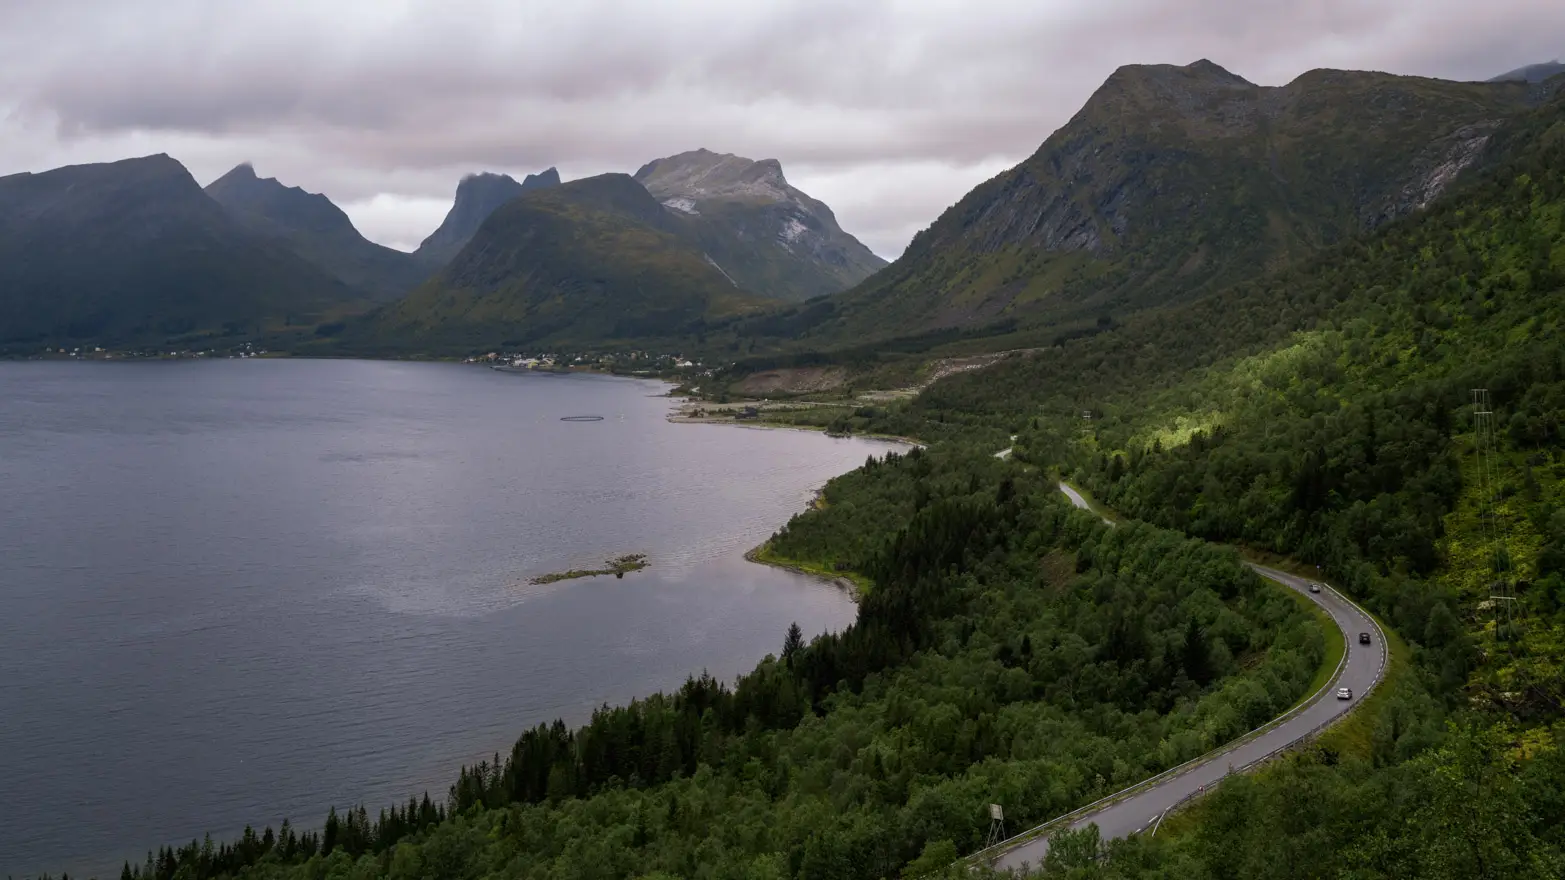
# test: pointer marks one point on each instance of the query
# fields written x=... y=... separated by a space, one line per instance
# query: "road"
x=1360 y=670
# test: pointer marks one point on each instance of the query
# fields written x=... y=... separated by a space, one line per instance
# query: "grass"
x=765 y=555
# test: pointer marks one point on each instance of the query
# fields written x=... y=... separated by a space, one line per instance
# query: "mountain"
x=133 y=252
x=1171 y=181
x=477 y=196
x=773 y=239
x=1532 y=73
x=317 y=230
x=591 y=261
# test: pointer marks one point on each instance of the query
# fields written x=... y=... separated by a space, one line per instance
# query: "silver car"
x=1344 y=693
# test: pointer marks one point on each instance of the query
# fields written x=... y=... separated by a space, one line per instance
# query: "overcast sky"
x=887 y=110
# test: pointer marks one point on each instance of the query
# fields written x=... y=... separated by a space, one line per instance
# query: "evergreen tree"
x=792 y=643
x=1197 y=660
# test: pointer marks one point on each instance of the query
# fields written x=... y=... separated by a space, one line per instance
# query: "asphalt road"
x=1140 y=811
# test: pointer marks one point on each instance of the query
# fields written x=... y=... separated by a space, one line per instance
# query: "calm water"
x=234 y=591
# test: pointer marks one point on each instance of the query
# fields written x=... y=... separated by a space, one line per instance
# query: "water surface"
x=234 y=591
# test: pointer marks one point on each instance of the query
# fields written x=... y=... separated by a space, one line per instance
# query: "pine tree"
x=1197 y=662
x=792 y=643
x=329 y=833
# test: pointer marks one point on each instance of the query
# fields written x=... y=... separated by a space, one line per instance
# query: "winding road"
x=1142 y=807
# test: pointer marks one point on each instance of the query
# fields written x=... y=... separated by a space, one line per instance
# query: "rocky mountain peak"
x=1187 y=91
x=477 y=196
x=484 y=183
x=291 y=207
x=769 y=236
x=547 y=177
x=699 y=175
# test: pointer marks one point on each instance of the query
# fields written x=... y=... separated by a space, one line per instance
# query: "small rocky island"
x=616 y=567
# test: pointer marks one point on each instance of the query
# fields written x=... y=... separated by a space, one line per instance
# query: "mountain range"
x=593 y=260
x=133 y=252
x=1170 y=182
x=741 y=236
x=692 y=239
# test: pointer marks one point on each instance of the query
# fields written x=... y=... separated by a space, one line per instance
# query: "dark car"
x=1363 y=638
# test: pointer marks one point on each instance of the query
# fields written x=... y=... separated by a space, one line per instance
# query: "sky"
x=887 y=110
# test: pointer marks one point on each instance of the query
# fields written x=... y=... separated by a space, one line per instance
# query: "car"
x=1344 y=693
x=1314 y=587
x=1363 y=638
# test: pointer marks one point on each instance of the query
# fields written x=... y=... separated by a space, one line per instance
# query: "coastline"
x=675 y=418
x=758 y=555
x=679 y=414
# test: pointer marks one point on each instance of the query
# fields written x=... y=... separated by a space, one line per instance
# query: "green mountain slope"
x=133 y=252
x=1172 y=181
x=770 y=237
x=591 y=261
x=317 y=230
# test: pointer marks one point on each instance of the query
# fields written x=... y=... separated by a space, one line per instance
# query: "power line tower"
x=1502 y=595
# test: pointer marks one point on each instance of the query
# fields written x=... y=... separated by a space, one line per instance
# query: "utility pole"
x=1501 y=593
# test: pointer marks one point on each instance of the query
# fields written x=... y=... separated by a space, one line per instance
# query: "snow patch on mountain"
x=791 y=231
x=720 y=269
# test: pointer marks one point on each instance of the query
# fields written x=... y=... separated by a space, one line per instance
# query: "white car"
x=1314 y=587
x=1344 y=693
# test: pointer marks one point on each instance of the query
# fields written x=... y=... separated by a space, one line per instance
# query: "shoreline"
x=674 y=418
x=757 y=554
x=842 y=582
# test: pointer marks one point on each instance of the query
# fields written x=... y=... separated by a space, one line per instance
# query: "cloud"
x=887 y=110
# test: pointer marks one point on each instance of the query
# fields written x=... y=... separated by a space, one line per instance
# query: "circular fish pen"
x=581 y=418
